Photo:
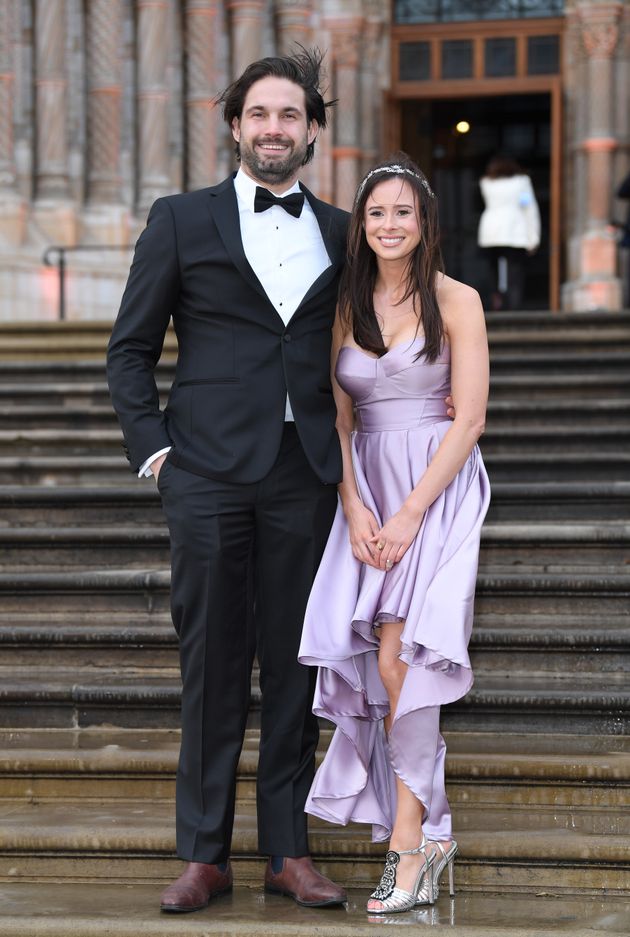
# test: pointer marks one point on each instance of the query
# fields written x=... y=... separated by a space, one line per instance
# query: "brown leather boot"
x=300 y=880
x=198 y=883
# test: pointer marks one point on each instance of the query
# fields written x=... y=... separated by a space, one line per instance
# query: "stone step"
x=523 y=357
x=81 y=640
x=550 y=386
x=563 y=848
x=71 y=417
x=510 y=387
x=609 y=463
x=511 y=770
x=138 y=502
x=36 y=374
x=605 y=464
x=543 y=320
x=134 y=502
x=549 y=436
x=49 y=548
x=499 y=591
x=555 y=546
x=502 y=643
x=555 y=438
x=538 y=546
x=529 y=322
x=582 y=702
x=52 y=341
x=574 y=414
x=104 y=910
x=556 y=500
x=534 y=360
x=573 y=339
x=65 y=470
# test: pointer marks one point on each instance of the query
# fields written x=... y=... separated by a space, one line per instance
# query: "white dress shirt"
x=287 y=255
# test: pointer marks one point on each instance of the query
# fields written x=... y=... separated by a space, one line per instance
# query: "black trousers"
x=243 y=559
x=509 y=281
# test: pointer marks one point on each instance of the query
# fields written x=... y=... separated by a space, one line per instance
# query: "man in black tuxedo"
x=246 y=458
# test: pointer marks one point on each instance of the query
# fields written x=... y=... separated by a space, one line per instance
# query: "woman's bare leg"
x=407 y=830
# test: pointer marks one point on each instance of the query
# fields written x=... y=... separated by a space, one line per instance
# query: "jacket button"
x=287 y=337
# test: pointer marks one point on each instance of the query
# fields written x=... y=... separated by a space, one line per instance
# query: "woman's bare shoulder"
x=455 y=295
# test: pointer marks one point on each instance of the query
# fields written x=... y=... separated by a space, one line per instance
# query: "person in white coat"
x=509 y=228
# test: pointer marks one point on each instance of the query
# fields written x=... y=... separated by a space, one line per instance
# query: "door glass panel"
x=499 y=57
x=543 y=55
x=415 y=61
x=457 y=58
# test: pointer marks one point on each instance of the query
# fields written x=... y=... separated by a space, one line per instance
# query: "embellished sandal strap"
x=387 y=883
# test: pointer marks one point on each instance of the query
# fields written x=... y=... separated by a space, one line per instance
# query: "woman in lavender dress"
x=390 y=614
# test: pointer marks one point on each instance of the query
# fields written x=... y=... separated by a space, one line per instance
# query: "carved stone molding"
x=600 y=28
x=376 y=10
x=346 y=45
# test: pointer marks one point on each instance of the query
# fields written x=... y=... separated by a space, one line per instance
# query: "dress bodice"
x=395 y=391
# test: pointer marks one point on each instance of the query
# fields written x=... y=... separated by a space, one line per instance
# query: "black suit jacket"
x=236 y=359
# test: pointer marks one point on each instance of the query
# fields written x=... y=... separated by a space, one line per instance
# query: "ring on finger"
x=380 y=545
x=388 y=564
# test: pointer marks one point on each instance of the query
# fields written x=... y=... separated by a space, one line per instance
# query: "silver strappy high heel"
x=395 y=899
x=429 y=895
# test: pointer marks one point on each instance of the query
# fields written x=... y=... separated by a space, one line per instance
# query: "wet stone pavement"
x=89 y=910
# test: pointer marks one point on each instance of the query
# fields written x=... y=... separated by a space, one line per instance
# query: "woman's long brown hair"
x=356 y=290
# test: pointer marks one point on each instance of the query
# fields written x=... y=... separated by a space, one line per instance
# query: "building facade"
x=106 y=105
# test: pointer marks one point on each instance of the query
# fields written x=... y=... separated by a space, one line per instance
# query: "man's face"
x=273 y=132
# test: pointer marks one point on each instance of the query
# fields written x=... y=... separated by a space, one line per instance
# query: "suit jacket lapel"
x=224 y=209
x=334 y=241
x=327 y=218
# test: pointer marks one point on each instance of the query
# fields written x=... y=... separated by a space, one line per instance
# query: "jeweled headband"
x=396 y=170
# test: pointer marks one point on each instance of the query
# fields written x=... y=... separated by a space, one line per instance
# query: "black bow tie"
x=292 y=203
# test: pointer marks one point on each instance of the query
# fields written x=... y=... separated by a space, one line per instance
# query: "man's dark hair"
x=303 y=67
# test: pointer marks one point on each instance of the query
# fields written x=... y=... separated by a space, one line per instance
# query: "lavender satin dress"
x=400 y=421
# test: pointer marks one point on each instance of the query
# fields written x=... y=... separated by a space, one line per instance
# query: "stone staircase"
x=539 y=759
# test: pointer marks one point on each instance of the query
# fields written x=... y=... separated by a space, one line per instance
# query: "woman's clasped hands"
x=382 y=547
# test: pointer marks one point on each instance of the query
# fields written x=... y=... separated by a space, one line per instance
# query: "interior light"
x=462 y=126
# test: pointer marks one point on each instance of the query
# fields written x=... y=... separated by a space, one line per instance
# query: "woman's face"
x=391 y=219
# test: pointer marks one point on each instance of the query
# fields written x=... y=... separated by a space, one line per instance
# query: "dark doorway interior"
x=519 y=125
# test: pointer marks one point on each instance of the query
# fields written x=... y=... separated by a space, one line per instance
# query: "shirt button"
x=286 y=337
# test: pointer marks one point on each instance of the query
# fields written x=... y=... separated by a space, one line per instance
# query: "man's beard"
x=274 y=169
